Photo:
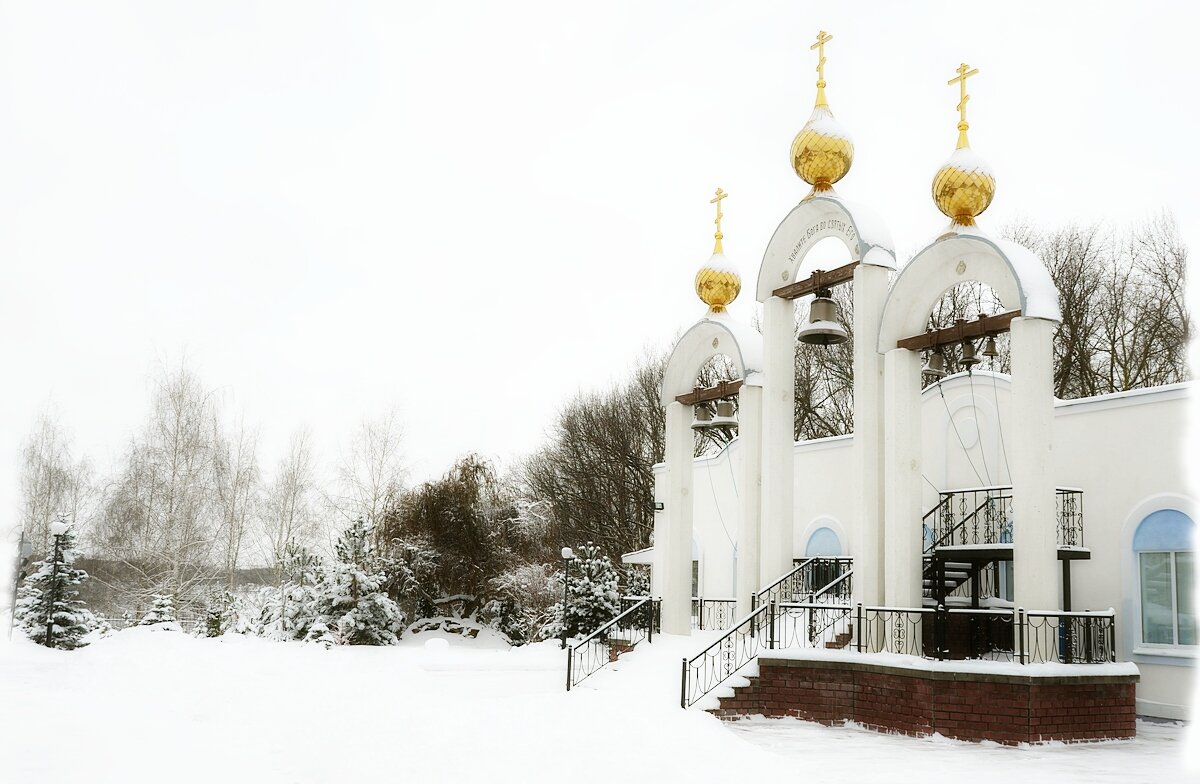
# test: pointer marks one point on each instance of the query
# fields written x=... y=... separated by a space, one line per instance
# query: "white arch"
x=716 y=333
x=1018 y=277
x=812 y=220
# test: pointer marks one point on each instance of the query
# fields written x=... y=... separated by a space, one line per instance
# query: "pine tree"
x=288 y=611
x=592 y=595
x=351 y=606
x=162 y=611
x=223 y=614
x=49 y=593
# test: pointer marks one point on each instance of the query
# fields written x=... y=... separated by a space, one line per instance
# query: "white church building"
x=978 y=490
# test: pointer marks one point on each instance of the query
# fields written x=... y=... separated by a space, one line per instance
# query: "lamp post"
x=57 y=529
x=568 y=555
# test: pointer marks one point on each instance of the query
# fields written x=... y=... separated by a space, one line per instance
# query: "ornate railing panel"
x=712 y=613
x=715 y=664
x=602 y=647
x=803 y=581
x=983 y=515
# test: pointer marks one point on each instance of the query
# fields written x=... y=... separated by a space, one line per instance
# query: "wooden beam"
x=724 y=389
x=980 y=327
x=817 y=281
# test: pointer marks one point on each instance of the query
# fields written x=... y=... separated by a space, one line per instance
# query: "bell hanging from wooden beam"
x=935 y=365
x=989 y=348
x=702 y=419
x=969 y=358
x=725 y=417
x=823 y=328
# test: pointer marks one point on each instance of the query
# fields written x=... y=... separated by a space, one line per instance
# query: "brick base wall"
x=967 y=705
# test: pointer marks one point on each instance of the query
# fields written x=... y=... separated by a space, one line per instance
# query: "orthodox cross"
x=964 y=72
x=822 y=39
x=718 y=236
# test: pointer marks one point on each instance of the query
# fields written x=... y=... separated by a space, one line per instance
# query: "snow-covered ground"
x=146 y=706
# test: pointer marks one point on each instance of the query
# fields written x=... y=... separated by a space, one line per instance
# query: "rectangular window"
x=1184 y=585
x=1168 y=608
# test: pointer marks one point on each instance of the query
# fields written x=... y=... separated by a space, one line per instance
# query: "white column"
x=902 y=478
x=1035 y=540
x=676 y=548
x=866 y=538
x=778 y=406
x=749 y=488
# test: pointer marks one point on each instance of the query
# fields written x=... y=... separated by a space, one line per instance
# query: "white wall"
x=1124 y=451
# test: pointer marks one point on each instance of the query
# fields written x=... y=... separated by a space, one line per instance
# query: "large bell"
x=969 y=358
x=935 y=365
x=823 y=328
x=703 y=418
x=725 y=417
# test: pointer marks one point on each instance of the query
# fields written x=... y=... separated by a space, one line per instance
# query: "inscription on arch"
x=828 y=227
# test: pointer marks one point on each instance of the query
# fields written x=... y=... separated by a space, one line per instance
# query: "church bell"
x=703 y=418
x=935 y=365
x=823 y=328
x=969 y=358
x=725 y=417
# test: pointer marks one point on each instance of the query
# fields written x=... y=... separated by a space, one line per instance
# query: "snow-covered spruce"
x=592 y=595
x=48 y=593
x=161 y=611
x=351 y=607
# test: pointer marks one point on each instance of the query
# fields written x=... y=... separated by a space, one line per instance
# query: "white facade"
x=1124 y=451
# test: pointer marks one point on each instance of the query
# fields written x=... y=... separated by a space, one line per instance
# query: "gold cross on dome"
x=964 y=72
x=718 y=236
x=822 y=39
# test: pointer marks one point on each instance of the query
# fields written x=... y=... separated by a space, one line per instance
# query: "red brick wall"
x=971 y=706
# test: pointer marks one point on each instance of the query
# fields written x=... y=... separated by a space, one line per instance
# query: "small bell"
x=969 y=358
x=989 y=348
x=935 y=365
x=725 y=417
x=823 y=328
x=703 y=418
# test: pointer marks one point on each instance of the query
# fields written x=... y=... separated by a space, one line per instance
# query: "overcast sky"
x=471 y=211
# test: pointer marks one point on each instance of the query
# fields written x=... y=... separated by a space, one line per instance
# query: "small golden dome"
x=717 y=283
x=822 y=152
x=963 y=187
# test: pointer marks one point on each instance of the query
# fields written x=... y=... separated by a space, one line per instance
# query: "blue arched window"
x=823 y=542
x=1164 y=543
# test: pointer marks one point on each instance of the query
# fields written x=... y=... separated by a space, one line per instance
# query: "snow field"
x=149 y=705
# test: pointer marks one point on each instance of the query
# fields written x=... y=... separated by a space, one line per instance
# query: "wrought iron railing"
x=804 y=580
x=719 y=661
x=712 y=613
x=983 y=515
x=627 y=602
x=620 y=635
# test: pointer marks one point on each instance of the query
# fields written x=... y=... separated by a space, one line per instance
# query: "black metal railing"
x=805 y=579
x=983 y=515
x=712 y=613
x=602 y=647
x=628 y=602
x=722 y=659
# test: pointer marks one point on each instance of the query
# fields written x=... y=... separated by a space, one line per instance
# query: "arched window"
x=823 y=542
x=1164 y=544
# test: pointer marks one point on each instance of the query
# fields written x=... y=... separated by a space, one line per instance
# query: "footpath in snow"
x=152 y=706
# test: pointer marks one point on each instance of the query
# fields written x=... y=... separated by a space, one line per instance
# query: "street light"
x=57 y=529
x=568 y=555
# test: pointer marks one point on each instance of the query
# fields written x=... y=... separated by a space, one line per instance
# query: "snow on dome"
x=968 y=160
x=822 y=121
x=719 y=263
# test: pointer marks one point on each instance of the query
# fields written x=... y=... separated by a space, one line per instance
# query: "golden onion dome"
x=717 y=282
x=822 y=152
x=964 y=186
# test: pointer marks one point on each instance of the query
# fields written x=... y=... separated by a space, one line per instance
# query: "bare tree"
x=236 y=486
x=52 y=482
x=289 y=510
x=372 y=473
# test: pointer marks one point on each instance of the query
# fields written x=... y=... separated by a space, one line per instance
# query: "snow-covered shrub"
x=637 y=580
x=49 y=593
x=592 y=595
x=161 y=611
x=523 y=602
x=351 y=607
x=224 y=613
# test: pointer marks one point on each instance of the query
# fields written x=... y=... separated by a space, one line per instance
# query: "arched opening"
x=823 y=542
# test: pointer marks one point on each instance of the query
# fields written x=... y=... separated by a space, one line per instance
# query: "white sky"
x=470 y=211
